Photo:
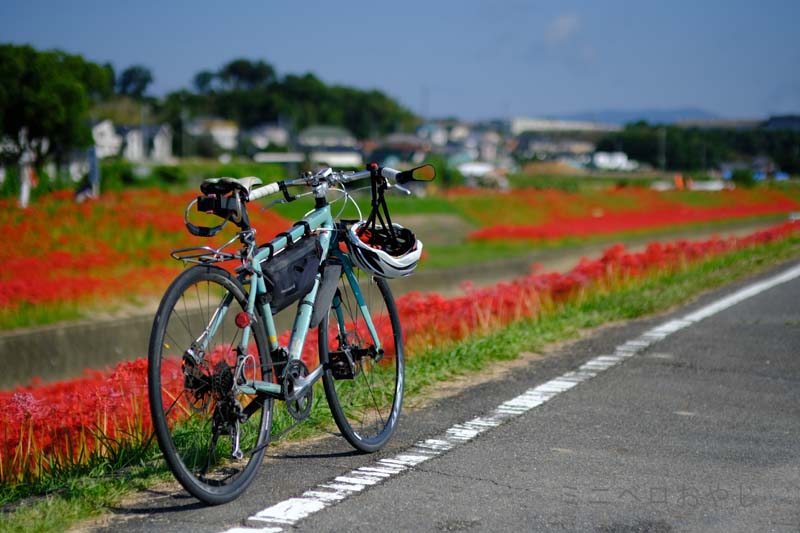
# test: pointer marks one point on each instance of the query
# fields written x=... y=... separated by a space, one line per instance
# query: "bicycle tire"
x=188 y=400
x=366 y=407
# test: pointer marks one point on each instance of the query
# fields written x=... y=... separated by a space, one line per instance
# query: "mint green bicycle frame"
x=320 y=221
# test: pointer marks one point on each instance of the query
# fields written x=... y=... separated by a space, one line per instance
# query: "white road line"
x=291 y=511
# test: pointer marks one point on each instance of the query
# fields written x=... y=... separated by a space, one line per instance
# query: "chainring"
x=299 y=407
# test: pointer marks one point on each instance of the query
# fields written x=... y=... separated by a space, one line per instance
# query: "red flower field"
x=557 y=215
x=58 y=253
x=45 y=426
x=62 y=259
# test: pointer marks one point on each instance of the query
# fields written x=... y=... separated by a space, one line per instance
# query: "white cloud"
x=561 y=29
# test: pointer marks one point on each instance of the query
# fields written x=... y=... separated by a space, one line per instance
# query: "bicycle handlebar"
x=328 y=175
x=266 y=190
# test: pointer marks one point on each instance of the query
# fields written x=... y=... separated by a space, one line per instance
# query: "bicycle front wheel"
x=212 y=438
x=364 y=367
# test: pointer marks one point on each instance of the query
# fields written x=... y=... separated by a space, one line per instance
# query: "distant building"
x=152 y=142
x=521 y=125
x=433 y=133
x=613 y=161
x=459 y=133
x=225 y=133
x=135 y=143
x=106 y=139
x=400 y=149
x=266 y=135
x=161 y=143
x=488 y=146
x=317 y=137
x=330 y=145
x=541 y=146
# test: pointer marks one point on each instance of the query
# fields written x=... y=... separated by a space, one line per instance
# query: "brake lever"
x=401 y=188
x=272 y=203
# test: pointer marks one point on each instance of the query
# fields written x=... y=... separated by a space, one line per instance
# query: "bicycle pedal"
x=340 y=365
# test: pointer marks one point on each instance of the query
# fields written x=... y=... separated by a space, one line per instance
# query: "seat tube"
x=305 y=307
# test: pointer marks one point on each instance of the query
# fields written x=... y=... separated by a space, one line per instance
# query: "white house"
x=331 y=145
x=224 y=132
x=326 y=137
x=435 y=133
x=488 y=146
x=161 y=150
x=522 y=124
x=106 y=139
x=266 y=135
x=613 y=161
x=151 y=143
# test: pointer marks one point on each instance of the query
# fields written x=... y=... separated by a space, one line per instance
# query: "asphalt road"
x=695 y=432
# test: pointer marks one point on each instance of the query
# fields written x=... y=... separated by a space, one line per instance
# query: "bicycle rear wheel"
x=195 y=413
x=363 y=382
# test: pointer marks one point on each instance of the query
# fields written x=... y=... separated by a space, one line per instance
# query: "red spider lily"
x=572 y=215
x=65 y=423
x=58 y=251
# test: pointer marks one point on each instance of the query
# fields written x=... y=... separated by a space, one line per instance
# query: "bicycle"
x=215 y=364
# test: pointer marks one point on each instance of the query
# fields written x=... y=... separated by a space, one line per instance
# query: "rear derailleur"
x=228 y=412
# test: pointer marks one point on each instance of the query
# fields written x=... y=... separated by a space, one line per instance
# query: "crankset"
x=298 y=402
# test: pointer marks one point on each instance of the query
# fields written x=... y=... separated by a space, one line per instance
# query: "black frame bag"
x=290 y=274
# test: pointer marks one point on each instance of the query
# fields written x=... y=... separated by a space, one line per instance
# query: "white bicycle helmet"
x=383 y=252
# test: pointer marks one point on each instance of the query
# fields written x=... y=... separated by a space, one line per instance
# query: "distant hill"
x=653 y=116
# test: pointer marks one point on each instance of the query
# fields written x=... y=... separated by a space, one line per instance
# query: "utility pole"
x=705 y=165
x=184 y=120
x=662 y=148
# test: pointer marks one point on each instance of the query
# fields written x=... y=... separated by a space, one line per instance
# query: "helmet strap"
x=378 y=186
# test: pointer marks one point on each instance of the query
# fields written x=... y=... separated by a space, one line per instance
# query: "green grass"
x=28 y=315
x=73 y=496
x=579 y=182
x=473 y=252
x=790 y=188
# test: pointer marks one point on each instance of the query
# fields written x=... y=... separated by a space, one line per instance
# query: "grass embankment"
x=69 y=495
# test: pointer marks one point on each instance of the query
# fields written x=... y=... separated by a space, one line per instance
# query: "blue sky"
x=473 y=59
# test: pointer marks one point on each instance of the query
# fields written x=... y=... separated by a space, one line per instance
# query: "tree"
x=203 y=81
x=134 y=81
x=251 y=93
x=701 y=149
x=44 y=101
x=246 y=74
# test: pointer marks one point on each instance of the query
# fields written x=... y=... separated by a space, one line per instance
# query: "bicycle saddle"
x=223 y=186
